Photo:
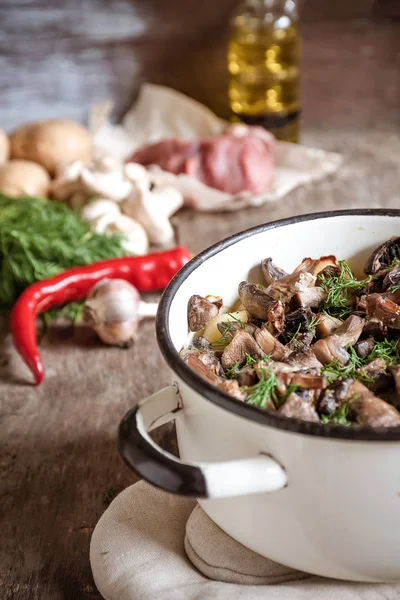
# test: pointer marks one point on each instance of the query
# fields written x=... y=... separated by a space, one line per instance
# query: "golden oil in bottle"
x=263 y=63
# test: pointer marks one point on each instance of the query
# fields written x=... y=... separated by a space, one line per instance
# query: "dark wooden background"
x=57 y=58
x=58 y=453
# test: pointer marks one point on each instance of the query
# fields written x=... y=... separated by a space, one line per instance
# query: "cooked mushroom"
x=229 y=328
x=194 y=362
x=217 y=300
x=271 y=272
x=375 y=327
x=383 y=256
x=334 y=396
x=392 y=278
x=364 y=347
x=371 y=410
x=246 y=376
x=308 y=381
x=318 y=265
x=312 y=297
x=231 y=387
x=326 y=325
x=296 y=407
x=286 y=287
x=375 y=374
x=333 y=347
x=200 y=312
x=242 y=344
x=301 y=341
x=207 y=357
x=270 y=344
x=258 y=303
x=296 y=321
x=384 y=310
x=303 y=360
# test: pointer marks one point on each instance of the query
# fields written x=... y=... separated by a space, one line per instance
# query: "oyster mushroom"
x=303 y=359
x=371 y=410
x=258 y=303
x=200 y=311
x=231 y=387
x=297 y=407
x=364 y=347
x=376 y=375
x=286 y=287
x=326 y=325
x=311 y=297
x=383 y=256
x=271 y=272
x=315 y=266
x=392 y=278
x=98 y=208
x=383 y=309
x=269 y=344
x=195 y=363
x=333 y=347
x=235 y=352
x=334 y=396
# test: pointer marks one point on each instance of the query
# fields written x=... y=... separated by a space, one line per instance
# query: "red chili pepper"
x=147 y=273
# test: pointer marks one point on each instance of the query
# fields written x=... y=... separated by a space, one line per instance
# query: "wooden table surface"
x=58 y=457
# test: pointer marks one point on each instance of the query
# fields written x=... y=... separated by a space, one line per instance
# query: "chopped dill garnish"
x=260 y=286
x=395 y=287
x=339 y=416
x=291 y=390
x=395 y=263
x=263 y=391
x=249 y=360
x=334 y=370
x=387 y=350
x=313 y=323
x=229 y=327
x=339 y=288
x=232 y=372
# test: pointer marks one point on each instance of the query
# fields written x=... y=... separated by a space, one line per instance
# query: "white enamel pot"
x=319 y=498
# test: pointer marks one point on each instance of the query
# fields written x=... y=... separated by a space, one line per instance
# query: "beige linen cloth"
x=138 y=548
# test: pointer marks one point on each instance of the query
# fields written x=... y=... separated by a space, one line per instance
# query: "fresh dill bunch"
x=339 y=288
x=339 y=416
x=40 y=238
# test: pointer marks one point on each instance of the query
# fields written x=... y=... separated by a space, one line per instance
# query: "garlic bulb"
x=135 y=241
x=113 y=309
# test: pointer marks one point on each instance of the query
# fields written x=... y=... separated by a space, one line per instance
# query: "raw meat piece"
x=240 y=159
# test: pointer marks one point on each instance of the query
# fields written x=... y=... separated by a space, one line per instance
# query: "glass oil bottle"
x=263 y=64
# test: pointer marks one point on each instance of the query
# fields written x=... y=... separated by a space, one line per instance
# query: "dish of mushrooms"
x=317 y=344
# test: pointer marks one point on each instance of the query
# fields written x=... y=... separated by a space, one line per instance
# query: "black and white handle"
x=201 y=480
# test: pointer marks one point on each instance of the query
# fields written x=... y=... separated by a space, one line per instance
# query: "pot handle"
x=202 y=480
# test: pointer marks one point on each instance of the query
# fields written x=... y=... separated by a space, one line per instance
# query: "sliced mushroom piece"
x=270 y=344
x=300 y=341
x=297 y=407
x=229 y=328
x=304 y=359
x=374 y=327
x=195 y=363
x=395 y=371
x=257 y=302
x=326 y=325
x=246 y=376
x=271 y=272
x=231 y=387
x=285 y=288
x=276 y=318
x=242 y=344
x=334 y=396
x=309 y=381
x=392 y=278
x=364 y=347
x=333 y=347
x=201 y=343
x=384 y=310
x=318 y=265
x=375 y=375
x=207 y=357
x=371 y=410
x=383 y=256
x=200 y=311
x=312 y=297
x=296 y=322
x=217 y=300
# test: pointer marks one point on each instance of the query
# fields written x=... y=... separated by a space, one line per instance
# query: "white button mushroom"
x=135 y=241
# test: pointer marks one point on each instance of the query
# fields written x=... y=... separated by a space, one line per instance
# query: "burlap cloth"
x=142 y=544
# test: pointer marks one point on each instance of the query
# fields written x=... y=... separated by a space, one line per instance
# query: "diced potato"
x=211 y=331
